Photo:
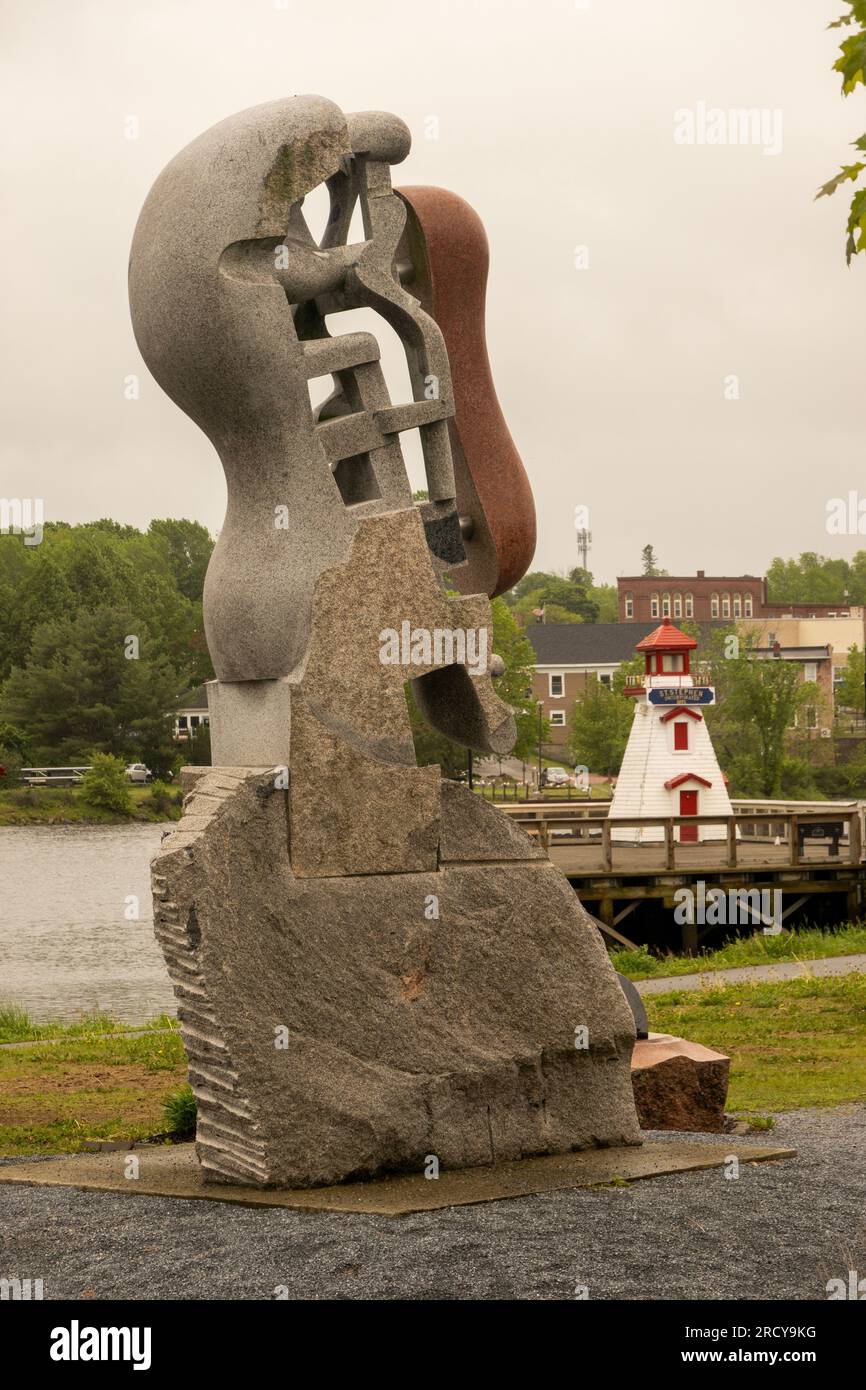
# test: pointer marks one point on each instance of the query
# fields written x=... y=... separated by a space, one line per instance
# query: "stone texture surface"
x=679 y=1084
x=407 y=1034
x=447 y=247
x=473 y=831
x=358 y=803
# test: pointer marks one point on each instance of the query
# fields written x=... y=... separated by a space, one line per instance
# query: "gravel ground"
x=781 y=1230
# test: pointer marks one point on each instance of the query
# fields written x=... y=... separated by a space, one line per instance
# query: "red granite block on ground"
x=679 y=1084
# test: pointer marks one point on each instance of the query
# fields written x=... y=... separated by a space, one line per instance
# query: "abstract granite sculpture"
x=371 y=966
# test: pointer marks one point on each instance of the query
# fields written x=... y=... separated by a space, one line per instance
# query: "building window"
x=738 y=606
x=678 y=605
x=681 y=736
x=629 y=607
x=690 y=605
x=714 y=606
x=181 y=721
x=810 y=720
x=726 y=605
x=557 y=687
x=810 y=671
x=654 y=606
x=748 y=605
x=605 y=680
x=666 y=605
x=557 y=719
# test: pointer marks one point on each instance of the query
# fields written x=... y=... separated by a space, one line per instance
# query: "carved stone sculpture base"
x=341 y=1027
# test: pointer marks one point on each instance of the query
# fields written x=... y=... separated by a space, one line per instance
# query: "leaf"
x=852 y=62
x=848 y=171
x=856 y=223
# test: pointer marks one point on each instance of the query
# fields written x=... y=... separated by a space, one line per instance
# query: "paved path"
x=742 y=974
x=780 y=1230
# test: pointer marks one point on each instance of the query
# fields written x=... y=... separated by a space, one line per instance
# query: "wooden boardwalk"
x=802 y=855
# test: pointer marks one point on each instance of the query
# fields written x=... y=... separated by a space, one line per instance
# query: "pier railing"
x=805 y=838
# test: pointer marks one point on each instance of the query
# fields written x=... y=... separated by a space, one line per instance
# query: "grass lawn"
x=806 y=944
x=792 y=1044
x=65 y=806
x=86 y=1086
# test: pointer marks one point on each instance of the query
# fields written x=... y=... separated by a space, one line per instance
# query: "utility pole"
x=584 y=541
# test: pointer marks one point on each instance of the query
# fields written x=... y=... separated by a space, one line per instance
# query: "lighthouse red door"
x=688 y=807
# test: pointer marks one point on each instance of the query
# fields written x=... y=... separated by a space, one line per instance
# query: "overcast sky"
x=556 y=120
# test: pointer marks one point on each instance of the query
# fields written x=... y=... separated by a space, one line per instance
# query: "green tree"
x=649 y=563
x=188 y=547
x=601 y=721
x=104 y=785
x=757 y=700
x=810 y=579
x=553 y=591
x=78 y=569
x=850 y=693
x=851 y=65
x=80 y=692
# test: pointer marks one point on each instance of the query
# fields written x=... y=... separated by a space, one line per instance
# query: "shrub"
x=105 y=787
x=162 y=798
x=180 y=1112
x=11 y=763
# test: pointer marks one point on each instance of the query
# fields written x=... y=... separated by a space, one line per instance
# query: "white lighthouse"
x=670 y=767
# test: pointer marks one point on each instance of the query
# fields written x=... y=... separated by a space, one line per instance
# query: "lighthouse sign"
x=682 y=695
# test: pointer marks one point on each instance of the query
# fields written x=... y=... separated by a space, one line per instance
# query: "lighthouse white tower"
x=670 y=767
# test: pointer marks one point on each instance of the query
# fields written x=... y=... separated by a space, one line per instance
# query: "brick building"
x=651 y=598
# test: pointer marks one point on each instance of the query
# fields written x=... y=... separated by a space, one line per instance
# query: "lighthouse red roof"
x=666 y=638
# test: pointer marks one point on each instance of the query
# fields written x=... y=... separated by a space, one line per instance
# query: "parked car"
x=555 y=777
x=137 y=772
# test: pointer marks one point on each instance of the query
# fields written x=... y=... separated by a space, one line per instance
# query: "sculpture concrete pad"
x=173 y=1171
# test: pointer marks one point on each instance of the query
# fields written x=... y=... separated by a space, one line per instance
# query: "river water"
x=66 y=946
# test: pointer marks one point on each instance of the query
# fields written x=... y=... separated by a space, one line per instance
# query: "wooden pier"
x=806 y=855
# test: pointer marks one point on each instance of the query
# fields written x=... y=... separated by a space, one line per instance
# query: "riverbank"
x=66 y=806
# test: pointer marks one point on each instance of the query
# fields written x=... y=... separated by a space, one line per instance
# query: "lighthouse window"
x=714 y=606
x=737 y=606
x=690 y=606
x=654 y=606
x=726 y=605
x=672 y=662
x=678 y=605
x=666 y=605
x=681 y=736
